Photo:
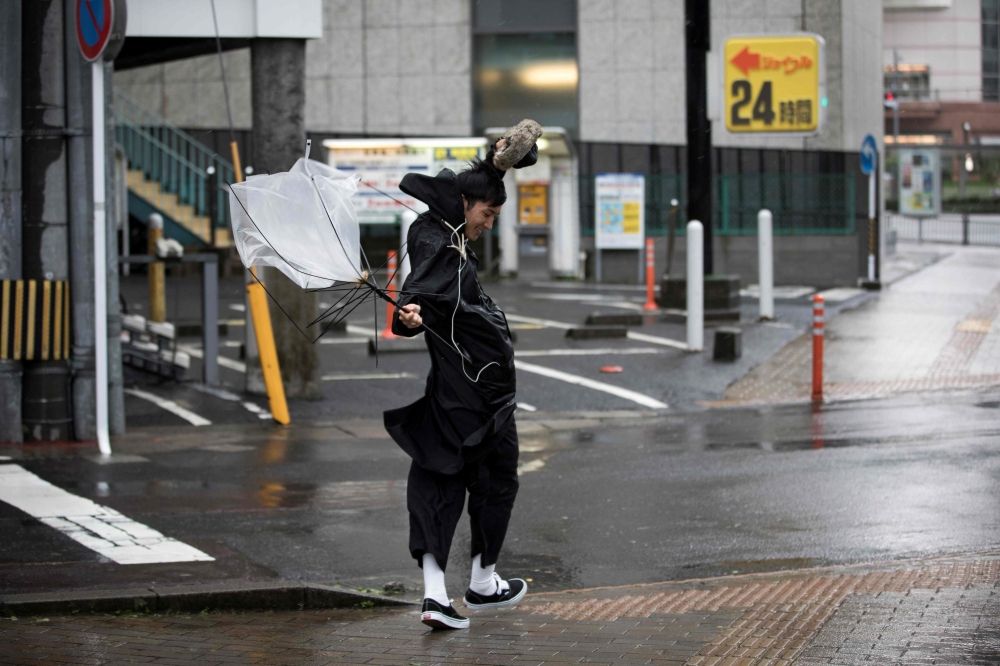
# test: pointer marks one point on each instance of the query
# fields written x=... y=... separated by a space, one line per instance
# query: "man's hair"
x=482 y=182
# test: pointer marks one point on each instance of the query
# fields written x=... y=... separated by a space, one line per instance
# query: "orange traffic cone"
x=389 y=307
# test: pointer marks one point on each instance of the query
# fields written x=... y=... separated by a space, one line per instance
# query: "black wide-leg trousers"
x=435 y=503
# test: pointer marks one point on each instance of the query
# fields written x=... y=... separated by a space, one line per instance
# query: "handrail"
x=181 y=164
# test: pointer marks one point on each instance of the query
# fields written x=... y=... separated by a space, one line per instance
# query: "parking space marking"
x=103 y=530
x=368 y=375
x=170 y=406
x=224 y=361
x=631 y=335
x=634 y=396
x=587 y=352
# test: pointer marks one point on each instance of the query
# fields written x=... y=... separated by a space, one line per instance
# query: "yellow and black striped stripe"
x=34 y=320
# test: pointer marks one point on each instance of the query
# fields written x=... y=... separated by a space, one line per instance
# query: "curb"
x=257 y=595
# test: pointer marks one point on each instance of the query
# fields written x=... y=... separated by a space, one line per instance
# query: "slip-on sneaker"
x=508 y=593
x=439 y=616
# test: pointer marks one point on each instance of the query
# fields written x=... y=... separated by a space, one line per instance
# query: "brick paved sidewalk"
x=938 y=611
x=935 y=330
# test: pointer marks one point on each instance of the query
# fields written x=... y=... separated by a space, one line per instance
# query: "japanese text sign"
x=774 y=85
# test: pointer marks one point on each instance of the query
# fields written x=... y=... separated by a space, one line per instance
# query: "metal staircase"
x=172 y=173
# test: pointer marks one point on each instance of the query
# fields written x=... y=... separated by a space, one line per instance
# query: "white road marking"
x=229 y=396
x=780 y=293
x=171 y=407
x=239 y=307
x=840 y=294
x=354 y=329
x=656 y=340
x=526 y=407
x=634 y=396
x=97 y=527
x=343 y=341
x=631 y=335
x=587 y=352
x=368 y=375
x=530 y=466
x=224 y=361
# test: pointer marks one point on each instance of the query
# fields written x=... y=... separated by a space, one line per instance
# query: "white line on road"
x=631 y=335
x=229 y=396
x=526 y=407
x=587 y=352
x=343 y=341
x=171 y=407
x=368 y=375
x=224 y=361
x=634 y=396
x=97 y=527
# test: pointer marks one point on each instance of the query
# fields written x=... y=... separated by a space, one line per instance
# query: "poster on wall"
x=920 y=182
x=620 y=203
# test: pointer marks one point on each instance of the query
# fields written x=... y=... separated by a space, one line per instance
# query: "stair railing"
x=181 y=164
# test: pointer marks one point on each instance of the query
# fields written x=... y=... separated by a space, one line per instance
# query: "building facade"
x=611 y=72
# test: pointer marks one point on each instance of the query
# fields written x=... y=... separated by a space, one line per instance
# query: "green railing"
x=177 y=161
x=818 y=204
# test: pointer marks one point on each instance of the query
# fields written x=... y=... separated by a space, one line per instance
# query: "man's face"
x=478 y=218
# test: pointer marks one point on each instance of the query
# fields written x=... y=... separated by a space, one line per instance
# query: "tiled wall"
x=948 y=40
x=383 y=67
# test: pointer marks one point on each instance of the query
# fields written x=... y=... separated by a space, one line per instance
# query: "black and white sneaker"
x=442 y=617
x=507 y=593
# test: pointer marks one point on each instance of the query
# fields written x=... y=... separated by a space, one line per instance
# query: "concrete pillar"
x=81 y=233
x=10 y=199
x=279 y=138
x=45 y=215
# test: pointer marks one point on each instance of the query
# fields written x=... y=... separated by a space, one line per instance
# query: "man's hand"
x=410 y=316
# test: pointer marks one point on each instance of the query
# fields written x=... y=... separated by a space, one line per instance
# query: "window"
x=991 y=42
x=912 y=82
x=524 y=60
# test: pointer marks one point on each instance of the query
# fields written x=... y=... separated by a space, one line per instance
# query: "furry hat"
x=519 y=142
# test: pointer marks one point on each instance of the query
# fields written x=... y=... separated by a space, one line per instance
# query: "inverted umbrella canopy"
x=301 y=222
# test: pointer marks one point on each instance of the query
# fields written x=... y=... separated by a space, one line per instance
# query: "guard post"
x=695 y=301
x=818 y=330
x=765 y=261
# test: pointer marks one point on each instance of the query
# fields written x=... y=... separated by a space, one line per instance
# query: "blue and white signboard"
x=869 y=155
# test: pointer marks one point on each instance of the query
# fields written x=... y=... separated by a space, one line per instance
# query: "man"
x=461 y=434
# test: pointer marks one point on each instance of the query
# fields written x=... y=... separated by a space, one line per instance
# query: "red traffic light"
x=889 y=97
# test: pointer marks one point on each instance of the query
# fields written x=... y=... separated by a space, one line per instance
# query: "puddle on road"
x=344 y=495
x=544 y=572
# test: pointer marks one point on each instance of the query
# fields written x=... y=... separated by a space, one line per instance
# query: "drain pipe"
x=81 y=233
x=10 y=201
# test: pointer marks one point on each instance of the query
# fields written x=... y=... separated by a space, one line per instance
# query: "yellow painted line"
x=5 y=319
x=57 y=319
x=29 y=352
x=46 y=303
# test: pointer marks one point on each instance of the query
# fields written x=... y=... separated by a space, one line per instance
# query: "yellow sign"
x=533 y=203
x=774 y=84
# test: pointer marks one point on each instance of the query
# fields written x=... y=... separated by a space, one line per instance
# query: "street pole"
x=895 y=97
x=100 y=258
x=697 y=19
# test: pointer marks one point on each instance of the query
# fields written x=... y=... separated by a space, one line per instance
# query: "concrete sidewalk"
x=935 y=329
x=935 y=611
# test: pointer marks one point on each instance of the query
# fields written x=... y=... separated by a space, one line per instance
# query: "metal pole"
x=210 y=321
x=871 y=224
x=671 y=233
x=818 y=326
x=765 y=253
x=895 y=96
x=695 y=287
x=10 y=201
x=699 y=128
x=100 y=260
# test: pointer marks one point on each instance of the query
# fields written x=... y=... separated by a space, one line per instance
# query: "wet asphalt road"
x=683 y=495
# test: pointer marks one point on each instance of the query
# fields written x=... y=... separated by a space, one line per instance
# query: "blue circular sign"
x=93 y=26
x=869 y=155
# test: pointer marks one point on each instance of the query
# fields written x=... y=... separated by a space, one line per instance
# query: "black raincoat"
x=459 y=420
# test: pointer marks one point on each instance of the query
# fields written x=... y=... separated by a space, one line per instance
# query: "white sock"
x=434 y=581
x=482 y=577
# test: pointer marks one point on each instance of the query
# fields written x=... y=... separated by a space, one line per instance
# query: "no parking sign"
x=100 y=27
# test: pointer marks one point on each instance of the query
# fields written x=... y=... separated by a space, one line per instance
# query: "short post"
x=157 y=286
x=695 y=287
x=818 y=310
x=871 y=226
x=650 y=276
x=765 y=253
x=210 y=320
x=389 y=307
x=965 y=228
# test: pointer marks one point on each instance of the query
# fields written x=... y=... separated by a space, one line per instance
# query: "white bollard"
x=695 y=287
x=765 y=260
x=407 y=218
x=508 y=221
